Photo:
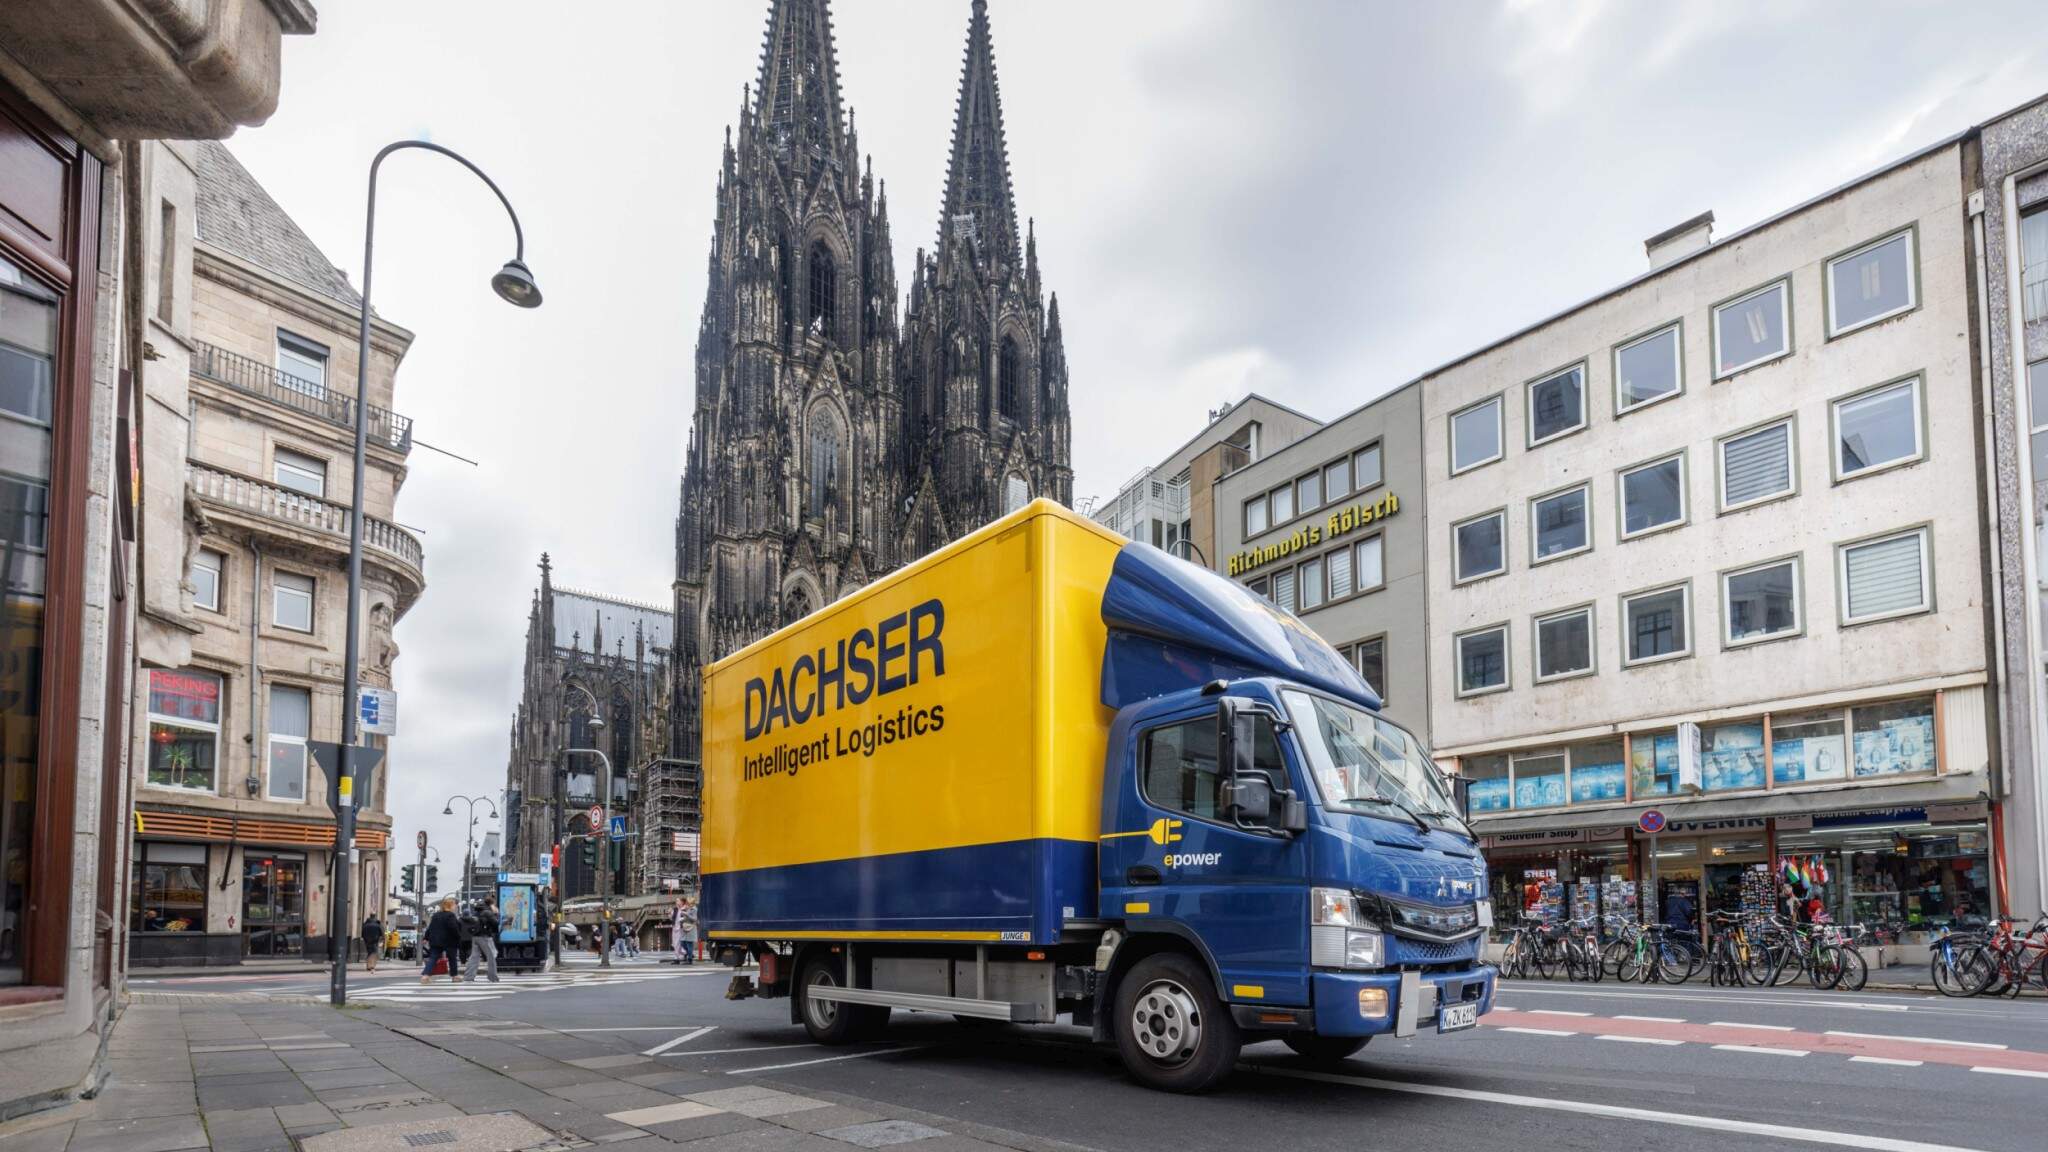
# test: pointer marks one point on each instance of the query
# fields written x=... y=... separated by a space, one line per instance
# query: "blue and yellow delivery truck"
x=1046 y=771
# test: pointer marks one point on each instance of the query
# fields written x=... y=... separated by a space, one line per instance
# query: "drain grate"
x=422 y=1139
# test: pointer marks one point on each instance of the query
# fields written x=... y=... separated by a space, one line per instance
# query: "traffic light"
x=408 y=878
x=590 y=853
x=433 y=878
x=618 y=856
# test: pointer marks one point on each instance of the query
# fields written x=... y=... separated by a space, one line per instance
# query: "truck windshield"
x=1361 y=760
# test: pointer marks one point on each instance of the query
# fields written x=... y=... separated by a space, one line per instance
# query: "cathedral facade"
x=835 y=438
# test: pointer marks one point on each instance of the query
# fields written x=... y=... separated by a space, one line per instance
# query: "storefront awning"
x=1677 y=809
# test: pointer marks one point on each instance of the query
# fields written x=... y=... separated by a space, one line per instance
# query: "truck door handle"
x=1141 y=874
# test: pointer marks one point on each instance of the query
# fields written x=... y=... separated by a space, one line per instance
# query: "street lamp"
x=598 y=833
x=514 y=283
x=469 y=856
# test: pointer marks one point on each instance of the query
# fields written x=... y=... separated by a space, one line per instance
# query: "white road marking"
x=1760 y=1027
x=1620 y=1112
x=2013 y=1072
x=658 y=1049
x=629 y=1028
x=824 y=1060
x=756 y=1048
x=1640 y=1039
x=1536 y=1031
x=1765 y=1051
x=1886 y=1060
x=1653 y=1019
x=1921 y=1040
x=1555 y=1012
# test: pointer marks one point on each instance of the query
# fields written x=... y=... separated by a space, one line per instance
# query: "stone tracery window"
x=1009 y=382
x=822 y=463
x=824 y=288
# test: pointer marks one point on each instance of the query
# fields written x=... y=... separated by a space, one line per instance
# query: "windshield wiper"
x=1411 y=813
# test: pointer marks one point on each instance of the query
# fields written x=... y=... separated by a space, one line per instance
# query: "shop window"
x=1539 y=780
x=1311 y=585
x=299 y=472
x=1489 y=790
x=1371 y=567
x=1653 y=763
x=291 y=604
x=1254 y=516
x=1597 y=772
x=1893 y=739
x=1336 y=480
x=1761 y=603
x=206 y=571
x=1282 y=499
x=1732 y=757
x=1656 y=625
x=1884 y=578
x=1878 y=429
x=1340 y=573
x=1371 y=659
x=1557 y=405
x=1476 y=546
x=1871 y=283
x=1564 y=644
x=1808 y=747
x=1752 y=330
x=1646 y=370
x=1365 y=468
x=1653 y=496
x=1475 y=436
x=291 y=720
x=184 y=729
x=1308 y=492
x=1557 y=524
x=1756 y=466
x=168 y=889
x=1482 y=660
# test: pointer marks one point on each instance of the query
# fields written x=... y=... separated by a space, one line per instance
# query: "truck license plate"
x=1455 y=1016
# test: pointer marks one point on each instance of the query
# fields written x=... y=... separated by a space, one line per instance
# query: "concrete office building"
x=1171 y=504
x=1331 y=528
x=1710 y=548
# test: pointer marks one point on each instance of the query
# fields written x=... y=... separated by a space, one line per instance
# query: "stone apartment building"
x=253 y=389
x=82 y=84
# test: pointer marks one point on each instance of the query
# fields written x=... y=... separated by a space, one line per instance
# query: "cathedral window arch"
x=1009 y=380
x=823 y=309
x=821 y=463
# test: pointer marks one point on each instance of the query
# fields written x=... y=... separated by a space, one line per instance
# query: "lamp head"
x=596 y=722
x=448 y=810
x=514 y=284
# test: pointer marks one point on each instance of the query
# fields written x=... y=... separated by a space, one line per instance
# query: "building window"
x=822 y=476
x=1732 y=756
x=1340 y=573
x=167 y=263
x=1597 y=772
x=1539 y=780
x=1308 y=492
x=1370 y=571
x=1871 y=283
x=1254 y=516
x=1557 y=405
x=1761 y=603
x=184 y=729
x=1653 y=496
x=1336 y=480
x=1647 y=369
x=1482 y=660
x=1489 y=789
x=824 y=294
x=1557 y=524
x=302 y=364
x=1475 y=436
x=2034 y=265
x=1370 y=656
x=1756 y=466
x=1656 y=625
x=1564 y=644
x=1653 y=761
x=1010 y=380
x=1312 y=585
x=1878 y=429
x=1894 y=739
x=1752 y=329
x=291 y=601
x=1282 y=499
x=1283 y=589
x=169 y=889
x=1017 y=493
x=291 y=724
x=1262 y=588
x=300 y=473
x=2037 y=411
x=1885 y=577
x=1365 y=468
x=1808 y=748
x=206 y=570
x=1476 y=547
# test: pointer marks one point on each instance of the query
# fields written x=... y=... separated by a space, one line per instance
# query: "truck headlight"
x=1364 y=948
x=1333 y=906
x=1339 y=935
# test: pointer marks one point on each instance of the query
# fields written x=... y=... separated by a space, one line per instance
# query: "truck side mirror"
x=1233 y=738
x=1248 y=799
x=1461 y=791
x=1293 y=812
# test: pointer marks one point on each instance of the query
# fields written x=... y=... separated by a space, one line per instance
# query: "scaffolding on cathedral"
x=671 y=814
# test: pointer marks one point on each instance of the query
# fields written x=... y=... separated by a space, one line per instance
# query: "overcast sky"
x=1317 y=201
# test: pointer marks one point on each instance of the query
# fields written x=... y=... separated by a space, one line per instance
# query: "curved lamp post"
x=469 y=855
x=599 y=832
x=514 y=283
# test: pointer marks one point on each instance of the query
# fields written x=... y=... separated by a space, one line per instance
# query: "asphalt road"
x=1560 y=1066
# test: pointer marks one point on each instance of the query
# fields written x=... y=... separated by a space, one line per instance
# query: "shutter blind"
x=1283 y=590
x=1884 y=576
x=1757 y=465
x=1340 y=573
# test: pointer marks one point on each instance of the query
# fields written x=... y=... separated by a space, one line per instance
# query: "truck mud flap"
x=1408 y=1011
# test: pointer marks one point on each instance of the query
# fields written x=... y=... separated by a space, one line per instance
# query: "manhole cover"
x=495 y=1132
x=422 y=1139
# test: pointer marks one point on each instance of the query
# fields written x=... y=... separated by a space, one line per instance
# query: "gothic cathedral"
x=833 y=441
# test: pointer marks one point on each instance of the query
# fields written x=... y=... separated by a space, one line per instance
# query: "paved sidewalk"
x=233 y=1076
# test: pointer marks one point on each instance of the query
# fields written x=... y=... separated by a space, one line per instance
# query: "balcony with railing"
x=308 y=513
x=252 y=377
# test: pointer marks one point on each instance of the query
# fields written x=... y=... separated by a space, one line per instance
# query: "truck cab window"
x=1180 y=765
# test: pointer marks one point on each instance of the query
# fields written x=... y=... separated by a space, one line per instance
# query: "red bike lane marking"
x=1760 y=1037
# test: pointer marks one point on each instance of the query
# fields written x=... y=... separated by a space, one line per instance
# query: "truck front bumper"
x=1373 y=1003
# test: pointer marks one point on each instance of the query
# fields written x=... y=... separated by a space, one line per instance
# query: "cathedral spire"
x=978 y=200
x=798 y=95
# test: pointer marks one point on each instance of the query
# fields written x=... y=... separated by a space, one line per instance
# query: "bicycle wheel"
x=1610 y=957
x=1824 y=967
x=1855 y=970
x=1962 y=971
x=1631 y=966
x=1760 y=965
x=1543 y=959
x=1675 y=963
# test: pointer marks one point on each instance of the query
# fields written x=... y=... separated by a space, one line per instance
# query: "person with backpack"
x=443 y=937
x=484 y=941
x=373 y=940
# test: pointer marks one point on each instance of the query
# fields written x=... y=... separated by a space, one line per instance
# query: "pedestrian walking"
x=443 y=938
x=686 y=932
x=484 y=942
x=373 y=941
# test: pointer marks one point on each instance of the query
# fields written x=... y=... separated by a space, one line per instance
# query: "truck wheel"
x=828 y=1021
x=1323 y=1049
x=1172 y=1030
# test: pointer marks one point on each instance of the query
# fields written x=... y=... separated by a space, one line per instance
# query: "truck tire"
x=1323 y=1049
x=1172 y=1030
x=830 y=1022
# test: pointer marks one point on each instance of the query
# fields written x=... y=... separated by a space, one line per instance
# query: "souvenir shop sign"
x=1532 y=839
x=1931 y=814
x=1733 y=824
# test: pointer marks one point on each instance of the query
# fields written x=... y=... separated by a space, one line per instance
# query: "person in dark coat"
x=373 y=940
x=443 y=937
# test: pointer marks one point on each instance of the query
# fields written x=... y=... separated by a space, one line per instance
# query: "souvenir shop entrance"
x=1552 y=876
x=1712 y=866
